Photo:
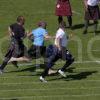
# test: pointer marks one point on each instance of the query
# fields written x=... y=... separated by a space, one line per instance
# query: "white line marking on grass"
x=50 y=96
x=16 y=77
x=76 y=62
x=24 y=64
x=88 y=68
x=96 y=50
x=80 y=88
x=76 y=12
x=54 y=82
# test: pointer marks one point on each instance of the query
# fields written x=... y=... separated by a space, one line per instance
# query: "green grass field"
x=83 y=77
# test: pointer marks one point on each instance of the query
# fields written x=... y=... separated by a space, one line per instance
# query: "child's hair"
x=20 y=19
x=42 y=23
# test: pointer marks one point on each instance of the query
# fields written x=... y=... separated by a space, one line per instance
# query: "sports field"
x=83 y=77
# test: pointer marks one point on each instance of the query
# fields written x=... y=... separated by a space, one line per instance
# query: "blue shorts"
x=53 y=54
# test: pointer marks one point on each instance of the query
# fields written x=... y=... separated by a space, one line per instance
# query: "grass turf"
x=83 y=78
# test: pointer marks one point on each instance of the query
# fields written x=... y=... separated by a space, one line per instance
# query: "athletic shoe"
x=61 y=73
x=42 y=79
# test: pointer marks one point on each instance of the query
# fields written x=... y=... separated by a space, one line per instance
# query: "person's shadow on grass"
x=79 y=26
x=79 y=76
x=31 y=68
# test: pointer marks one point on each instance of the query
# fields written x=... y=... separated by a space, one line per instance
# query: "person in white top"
x=58 y=51
x=93 y=2
x=62 y=36
x=91 y=13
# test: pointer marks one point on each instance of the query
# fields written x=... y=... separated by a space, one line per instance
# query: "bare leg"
x=20 y=59
x=51 y=71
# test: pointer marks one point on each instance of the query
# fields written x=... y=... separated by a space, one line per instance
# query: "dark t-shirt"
x=18 y=30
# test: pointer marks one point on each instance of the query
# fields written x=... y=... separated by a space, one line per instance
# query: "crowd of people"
x=17 y=51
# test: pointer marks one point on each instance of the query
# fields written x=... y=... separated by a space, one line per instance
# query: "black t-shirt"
x=18 y=30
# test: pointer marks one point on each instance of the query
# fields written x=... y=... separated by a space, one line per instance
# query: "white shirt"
x=93 y=2
x=62 y=35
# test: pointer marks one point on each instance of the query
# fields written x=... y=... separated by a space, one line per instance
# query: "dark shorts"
x=36 y=51
x=93 y=13
x=53 y=54
x=16 y=50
